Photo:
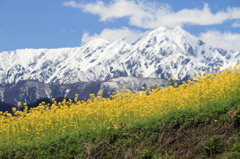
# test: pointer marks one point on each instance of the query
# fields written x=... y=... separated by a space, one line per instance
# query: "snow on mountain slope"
x=160 y=53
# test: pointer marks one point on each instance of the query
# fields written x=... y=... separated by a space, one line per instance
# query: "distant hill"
x=29 y=90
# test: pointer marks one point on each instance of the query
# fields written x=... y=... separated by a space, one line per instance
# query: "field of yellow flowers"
x=49 y=121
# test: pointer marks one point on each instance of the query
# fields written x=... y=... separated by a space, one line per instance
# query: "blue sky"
x=63 y=23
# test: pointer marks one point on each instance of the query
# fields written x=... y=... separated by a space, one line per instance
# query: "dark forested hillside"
x=6 y=107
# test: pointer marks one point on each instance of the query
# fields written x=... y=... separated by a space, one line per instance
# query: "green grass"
x=211 y=131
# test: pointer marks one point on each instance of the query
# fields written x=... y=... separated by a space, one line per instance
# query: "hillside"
x=211 y=131
x=198 y=119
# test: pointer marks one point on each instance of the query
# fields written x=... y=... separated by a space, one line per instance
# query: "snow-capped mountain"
x=160 y=53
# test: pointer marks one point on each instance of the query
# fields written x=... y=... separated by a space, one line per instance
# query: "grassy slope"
x=207 y=132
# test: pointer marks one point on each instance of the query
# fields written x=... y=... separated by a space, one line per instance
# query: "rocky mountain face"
x=29 y=90
x=159 y=54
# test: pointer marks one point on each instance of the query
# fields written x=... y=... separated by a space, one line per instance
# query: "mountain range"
x=158 y=54
x=28 y=91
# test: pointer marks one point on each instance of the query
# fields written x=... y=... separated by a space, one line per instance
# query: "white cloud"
x=110 y=34
x=153 y=14
x=226 y=40
x=236 y=24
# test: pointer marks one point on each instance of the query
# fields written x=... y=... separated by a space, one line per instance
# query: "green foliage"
x=188 y=133
x=236 y=145
x=213 y=145
x=145 y=154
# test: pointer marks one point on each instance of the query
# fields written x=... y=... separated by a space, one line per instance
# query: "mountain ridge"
x=160 y=53
x=28 y=91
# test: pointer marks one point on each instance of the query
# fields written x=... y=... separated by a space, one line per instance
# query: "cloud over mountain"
x=110 y=34
x=154 y=14
x=226 y=40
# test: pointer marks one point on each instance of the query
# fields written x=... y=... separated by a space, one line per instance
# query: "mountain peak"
x=98 y=41
x=178 y=28
x=163 y=28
